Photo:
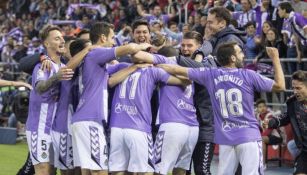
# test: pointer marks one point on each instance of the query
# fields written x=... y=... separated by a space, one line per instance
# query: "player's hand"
x=272 y=52
x=65 y=73
x=145 y=46
x=46 y=65
x=265 y=124
x=20 y=83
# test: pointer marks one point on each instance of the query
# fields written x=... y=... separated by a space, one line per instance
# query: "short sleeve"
x=160 y=59
x=159 y=75
x=102 y=55
x=198 y=75
x=111 y=69
x=260 y=82
x=40 y=75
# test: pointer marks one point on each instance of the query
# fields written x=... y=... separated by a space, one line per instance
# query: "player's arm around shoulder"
x=64 y=73
x=174 y=69
x=122 y=74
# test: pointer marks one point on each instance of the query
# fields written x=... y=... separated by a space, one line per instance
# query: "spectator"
x=156 y=13
x=218 y=30
x=272 y=40
x=296 y=115
x=295 y=31
x=35 y=47
x=247 y=14
x=251 y=47
x=298 y=5
x=269 y=136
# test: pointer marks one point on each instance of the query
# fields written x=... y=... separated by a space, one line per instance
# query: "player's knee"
x=42 y=169
x=179 y=171
x=99 y=172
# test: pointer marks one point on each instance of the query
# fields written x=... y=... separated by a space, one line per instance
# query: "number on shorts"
x=44 y=145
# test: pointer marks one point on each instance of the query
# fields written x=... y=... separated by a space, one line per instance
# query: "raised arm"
x=279 y=78
x=139 y=9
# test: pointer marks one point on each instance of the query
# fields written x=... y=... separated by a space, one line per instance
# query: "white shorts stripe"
x=43 y=117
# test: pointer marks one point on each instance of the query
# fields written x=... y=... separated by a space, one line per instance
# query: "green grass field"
x=12 y=157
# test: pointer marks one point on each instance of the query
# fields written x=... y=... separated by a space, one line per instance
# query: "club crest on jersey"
x=44 y=155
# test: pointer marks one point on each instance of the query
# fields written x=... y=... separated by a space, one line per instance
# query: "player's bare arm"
x=63 y=74
x=142 y=57
x=279 y=78
x=181 y=81
x=121 y=75
x=174 y=69
x=131 y=48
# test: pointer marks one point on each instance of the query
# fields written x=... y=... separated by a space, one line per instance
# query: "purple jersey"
x=176 y=102
x=93 y=103
x=64 y=109
x=42 y=107
x=244 y=17
x=295 y=24
x=232 y=97
x=131 y=101
x=151 y=18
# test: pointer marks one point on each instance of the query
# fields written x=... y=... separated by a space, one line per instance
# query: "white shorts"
x=248 y=154
x=90 y=150
x=63 y=154
x=40 y=147
x=131 y=150
x=174 y=146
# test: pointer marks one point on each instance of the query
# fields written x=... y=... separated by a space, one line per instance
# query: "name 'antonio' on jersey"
x=232 y=96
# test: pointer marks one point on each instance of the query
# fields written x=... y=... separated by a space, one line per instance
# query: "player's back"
x=232 y=96
x=92 y=104
x=131 y=101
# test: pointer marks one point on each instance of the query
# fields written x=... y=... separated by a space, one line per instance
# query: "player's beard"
x=239 y=63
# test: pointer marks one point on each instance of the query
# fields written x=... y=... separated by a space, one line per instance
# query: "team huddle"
x=69 y=119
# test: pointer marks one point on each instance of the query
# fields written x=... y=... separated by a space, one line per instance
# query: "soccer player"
x=43 y=100
x=296 y=115
x=178 y=131
x=231 y=92
x=89 y=144
x=61 y=133
x=131 y=147
x=204 y=148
